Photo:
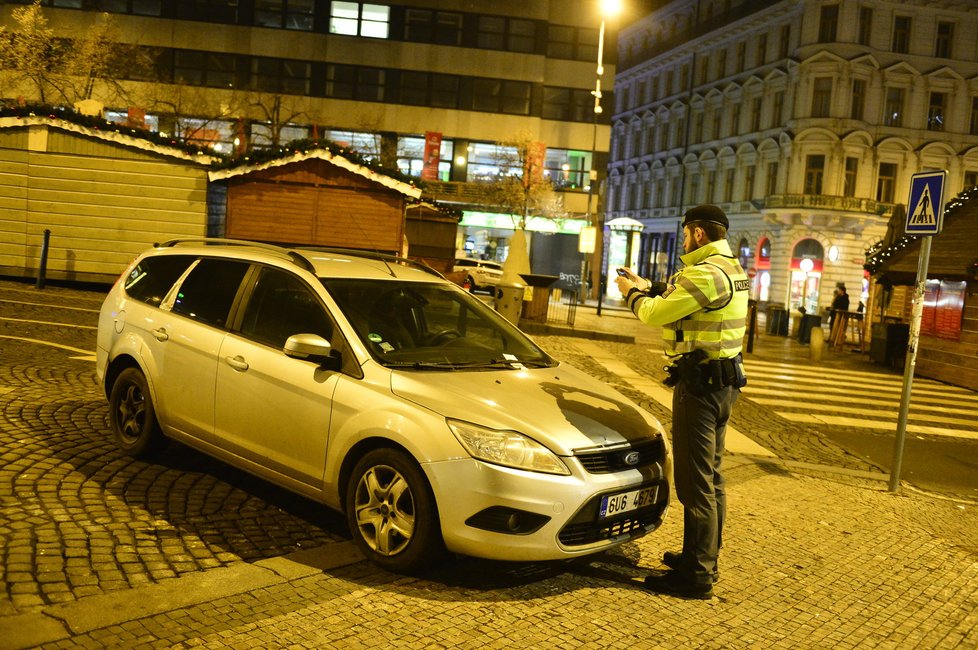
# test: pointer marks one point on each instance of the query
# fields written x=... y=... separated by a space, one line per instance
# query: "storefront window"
x=806 y=275
x=410 y=157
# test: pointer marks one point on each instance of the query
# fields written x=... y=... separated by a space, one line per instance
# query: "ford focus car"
x=375 y=386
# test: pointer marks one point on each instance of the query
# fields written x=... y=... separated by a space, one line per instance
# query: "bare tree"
x=520 y=188
x=275 y=113
x=44 y=68
x=30 y=55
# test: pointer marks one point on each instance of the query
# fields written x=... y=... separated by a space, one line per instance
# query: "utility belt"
x=703 y=376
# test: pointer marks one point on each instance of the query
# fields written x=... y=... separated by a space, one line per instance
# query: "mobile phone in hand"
x=622 y=272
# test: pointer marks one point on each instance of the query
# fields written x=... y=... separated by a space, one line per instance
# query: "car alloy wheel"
x=133 y=416
x=392 y=513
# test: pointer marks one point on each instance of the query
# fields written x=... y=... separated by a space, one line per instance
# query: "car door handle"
x=161 y=334
x=238 y=363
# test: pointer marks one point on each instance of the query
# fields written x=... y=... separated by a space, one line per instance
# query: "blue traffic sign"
x=925 y=209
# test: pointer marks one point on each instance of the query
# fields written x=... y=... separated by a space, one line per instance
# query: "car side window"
x=282 y=305
x=151 y=279
x=208 y=291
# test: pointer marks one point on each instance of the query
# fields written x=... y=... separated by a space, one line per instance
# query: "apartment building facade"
x=430 y=86
x=803 y=119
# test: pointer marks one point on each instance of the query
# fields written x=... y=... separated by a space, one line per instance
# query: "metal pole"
x=910 y=363
x=43 y=268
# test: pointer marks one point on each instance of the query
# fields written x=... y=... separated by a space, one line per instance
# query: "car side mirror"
x=312 y=347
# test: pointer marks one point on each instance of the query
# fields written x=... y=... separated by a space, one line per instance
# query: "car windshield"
x=431 y=326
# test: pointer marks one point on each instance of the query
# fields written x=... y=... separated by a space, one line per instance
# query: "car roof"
x=321 y=262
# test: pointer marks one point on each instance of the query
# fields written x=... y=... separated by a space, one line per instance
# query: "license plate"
x=615 y=504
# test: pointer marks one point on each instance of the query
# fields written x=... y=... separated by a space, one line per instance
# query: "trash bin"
x=509 y=300
x=777 y=320
x=808 y=321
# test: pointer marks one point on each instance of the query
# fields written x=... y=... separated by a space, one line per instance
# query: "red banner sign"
x=432 y=156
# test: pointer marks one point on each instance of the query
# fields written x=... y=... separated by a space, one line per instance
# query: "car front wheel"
x=392 y=513
x=133 y=416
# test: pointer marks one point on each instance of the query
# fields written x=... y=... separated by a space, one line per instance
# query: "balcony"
x=824 y=202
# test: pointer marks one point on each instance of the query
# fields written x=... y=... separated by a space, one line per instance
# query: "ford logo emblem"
x=631 y=458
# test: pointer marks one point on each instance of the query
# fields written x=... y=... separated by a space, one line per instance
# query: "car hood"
x=561 y=407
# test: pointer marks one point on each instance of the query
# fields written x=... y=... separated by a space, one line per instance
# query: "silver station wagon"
x=375 y=386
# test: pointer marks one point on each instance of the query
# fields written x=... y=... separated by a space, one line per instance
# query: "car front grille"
x=586 y=528
x=606 y=461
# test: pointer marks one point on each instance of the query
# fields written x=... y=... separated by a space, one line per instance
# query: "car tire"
x=133 y=416
x=392 y=512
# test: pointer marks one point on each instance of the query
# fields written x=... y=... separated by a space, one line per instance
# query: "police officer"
x=703 y=315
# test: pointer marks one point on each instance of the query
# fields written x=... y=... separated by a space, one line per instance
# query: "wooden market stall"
x=948 y=343
x=316 y=197
x=103 y=192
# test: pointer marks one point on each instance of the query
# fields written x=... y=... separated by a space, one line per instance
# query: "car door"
x=271 y=409
x=187 y=334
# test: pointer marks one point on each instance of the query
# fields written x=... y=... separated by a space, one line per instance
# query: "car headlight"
x=507 y=448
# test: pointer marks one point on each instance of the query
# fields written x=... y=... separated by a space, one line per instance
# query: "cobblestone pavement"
x=100 y=550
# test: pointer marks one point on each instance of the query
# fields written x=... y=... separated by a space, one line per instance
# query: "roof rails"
x=295 y=253
x=217 y=241
x=372 y=255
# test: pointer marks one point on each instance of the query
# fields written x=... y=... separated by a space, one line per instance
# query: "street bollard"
x=43 y=267
x=816 y=344
x=509 y=301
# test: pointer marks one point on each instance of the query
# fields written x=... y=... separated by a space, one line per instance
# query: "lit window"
x=359 y=19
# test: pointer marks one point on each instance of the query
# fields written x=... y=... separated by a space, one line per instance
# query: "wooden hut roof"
x=319 y=154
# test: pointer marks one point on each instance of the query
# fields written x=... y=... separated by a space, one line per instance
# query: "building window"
x=772 y=178
x=694 y=188
x=858 y=99
x=741 y=50
x=280 y=75
x=901 y=34
x=429 y=26
x=212 y=11
x=785 y=46
x=777 y=108
x=755 y=114
x=828 y=24
x=734 y=120
x=728 y=184
x=945 y=34
x=211 y=69
x=697 y=135
x=973 y=129
x=574 y=43
x=886 y=184
x=359 y=19
x=935 y=111
x=822 y=97
x=849 y=181
x=865 y=25
x=749 y=172
x=423 y=89
x=814 y=171
x=970 y=180
x=501 y=96
x=510 y=34
x=137 y=7
x=722 y=63
x=761 y=49
x=355 y=82
x=893 y=107
x=290 y=14
x=568 y=104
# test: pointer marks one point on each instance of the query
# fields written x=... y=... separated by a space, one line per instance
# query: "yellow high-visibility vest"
x=705 y=306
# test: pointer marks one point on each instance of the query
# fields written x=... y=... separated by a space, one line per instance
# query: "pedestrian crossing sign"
x=925 y=209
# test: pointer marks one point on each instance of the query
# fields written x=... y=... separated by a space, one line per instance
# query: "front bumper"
x=500 y=513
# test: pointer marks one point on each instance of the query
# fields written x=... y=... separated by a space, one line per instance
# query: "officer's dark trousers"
x=698 y=427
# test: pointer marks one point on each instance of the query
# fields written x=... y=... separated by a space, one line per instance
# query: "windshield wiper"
x=508 y=364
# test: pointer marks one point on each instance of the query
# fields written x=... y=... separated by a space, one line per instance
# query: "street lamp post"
x=608 y=8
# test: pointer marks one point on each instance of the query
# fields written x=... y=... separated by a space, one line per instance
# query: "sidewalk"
x=815 y=555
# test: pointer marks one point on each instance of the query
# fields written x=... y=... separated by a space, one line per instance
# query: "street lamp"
x=606 y=9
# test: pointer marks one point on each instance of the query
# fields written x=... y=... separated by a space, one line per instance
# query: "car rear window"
x=151 y=279
x=208 y=291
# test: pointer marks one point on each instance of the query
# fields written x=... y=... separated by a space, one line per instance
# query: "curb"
x=63 y=621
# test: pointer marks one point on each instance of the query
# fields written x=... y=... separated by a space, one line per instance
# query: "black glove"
x=656 y=289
